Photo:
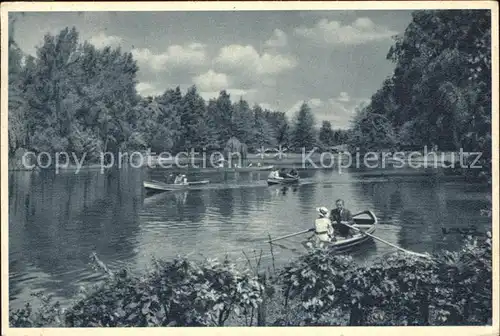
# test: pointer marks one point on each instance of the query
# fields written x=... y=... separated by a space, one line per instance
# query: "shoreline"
x=269 y=289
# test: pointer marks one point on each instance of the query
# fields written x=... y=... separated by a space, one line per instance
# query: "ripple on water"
x=49 y=250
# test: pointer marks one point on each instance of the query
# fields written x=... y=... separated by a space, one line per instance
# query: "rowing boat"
x=158 y=186
x=367 y=225
x=284 y=180
x=232 y=170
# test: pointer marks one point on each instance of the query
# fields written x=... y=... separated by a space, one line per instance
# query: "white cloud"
x=175 y=56
x=315 y=102
x=147 y=89
x=211 y=81
x=267 y=106
x=338 y=113
x=312 y=103
x=278 y=40
x=235 y=94
x=102 y=40
x=250 y=62
x=343 y=97
x=338 y=107
x=362 y=30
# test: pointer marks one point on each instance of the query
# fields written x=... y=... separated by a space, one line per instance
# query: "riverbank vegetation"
x=74 y=97
x=320 y=288
x=440 y=91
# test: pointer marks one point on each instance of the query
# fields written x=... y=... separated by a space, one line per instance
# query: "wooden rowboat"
x=367 y=224
x=285 y=180
x=158 y=186
x=232 y=170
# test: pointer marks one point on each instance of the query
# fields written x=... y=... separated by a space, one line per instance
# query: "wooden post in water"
x=261 y=310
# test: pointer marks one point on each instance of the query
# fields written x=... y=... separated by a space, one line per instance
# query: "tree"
x=326 y=135
x=442 y=68
x=17 y=109
x=243 y=122
x=220 y=113
x=372 y=131
x=263 y=133
x=192 y=120
x=280 y=126
x=303 y=133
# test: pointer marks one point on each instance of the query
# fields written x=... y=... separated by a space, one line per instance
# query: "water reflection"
x=56 y=221
x=65 y=218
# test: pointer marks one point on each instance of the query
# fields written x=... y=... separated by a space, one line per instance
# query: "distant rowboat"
x=157 y=186
x=231 y=170
x=285 y=180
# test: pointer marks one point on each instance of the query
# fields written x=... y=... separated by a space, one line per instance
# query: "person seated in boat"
x=169 y=178
x=339 y=216
x=272 y=174
x=184 y=180
x=293 y=173
x=220 y=163
x=178 y=179
x=323 y=230
x=282 y=173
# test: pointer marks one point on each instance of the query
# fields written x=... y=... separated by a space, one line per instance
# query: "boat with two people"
x=328 y=232
x=180 y=182
x=283 y=176
x=360 y=228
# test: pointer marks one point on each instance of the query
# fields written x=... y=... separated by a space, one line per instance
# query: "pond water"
x=57 y=221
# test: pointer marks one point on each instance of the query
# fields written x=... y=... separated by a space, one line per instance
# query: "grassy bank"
x=320 y=288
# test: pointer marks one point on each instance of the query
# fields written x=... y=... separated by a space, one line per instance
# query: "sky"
x=333 y=60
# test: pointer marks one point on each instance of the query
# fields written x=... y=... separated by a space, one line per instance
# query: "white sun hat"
x=322 y=211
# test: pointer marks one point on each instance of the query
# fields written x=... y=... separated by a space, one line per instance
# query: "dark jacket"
x=336 y=217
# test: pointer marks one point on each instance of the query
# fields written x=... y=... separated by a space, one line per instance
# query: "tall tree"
x=192 y=120
x=371 y=131
x=242 y=122
x=303 y=133
x=279 y=123
x=220 y=113
x=263 y=132
x=326 y=135
x=442 y=80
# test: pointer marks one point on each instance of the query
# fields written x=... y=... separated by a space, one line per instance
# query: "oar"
x=291 y=235
x=386 y=242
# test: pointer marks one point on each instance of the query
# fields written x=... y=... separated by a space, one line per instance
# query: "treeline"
x=440 y=91
x=74 y=97
x=452 y=288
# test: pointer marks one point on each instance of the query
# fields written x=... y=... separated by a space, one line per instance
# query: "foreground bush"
x=454 y=288
x=178 y=293
x=320 y=288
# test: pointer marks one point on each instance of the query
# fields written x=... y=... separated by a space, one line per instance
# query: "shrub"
x=320 y=288
x=454 y=288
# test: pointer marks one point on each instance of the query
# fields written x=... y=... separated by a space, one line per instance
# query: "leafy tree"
x=326 y=134
x=443 y=66
x=372 y=131
x=243 y=122
x=263 y=132
x=192 y=120
x=303 y=134
x=17 y=108
x=279 y=123
x=220 y=115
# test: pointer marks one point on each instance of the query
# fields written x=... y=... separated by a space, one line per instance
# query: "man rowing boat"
x=341 y=215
